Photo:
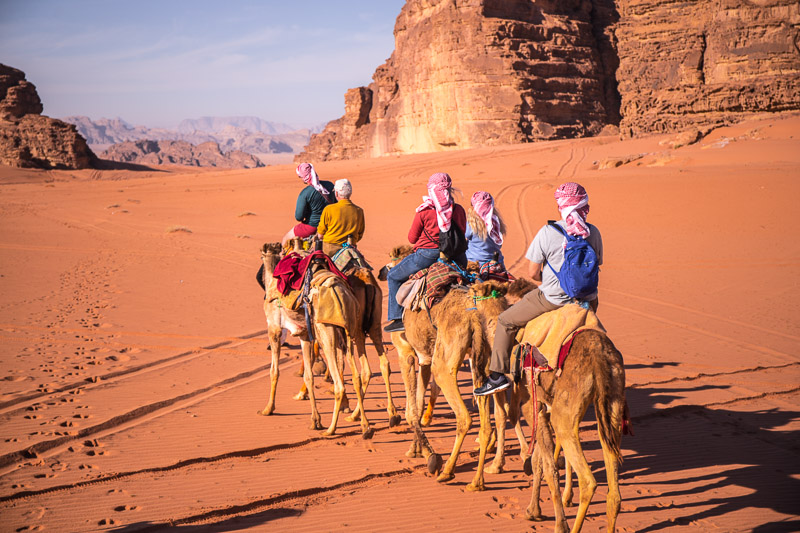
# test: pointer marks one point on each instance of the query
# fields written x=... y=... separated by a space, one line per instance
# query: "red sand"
x=134 y=357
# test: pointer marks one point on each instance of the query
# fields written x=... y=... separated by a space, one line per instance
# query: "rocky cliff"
x=471 y=73
x=29 y=139
x=468 y=73
x=687 y=62
x=207 y=154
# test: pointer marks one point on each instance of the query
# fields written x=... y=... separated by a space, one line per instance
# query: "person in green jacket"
x=310 y=203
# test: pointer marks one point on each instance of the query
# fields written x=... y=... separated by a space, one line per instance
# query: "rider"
x=340 y=220
x=310 y=203
x=485 y=230
x=436 y=213
x=547 y=247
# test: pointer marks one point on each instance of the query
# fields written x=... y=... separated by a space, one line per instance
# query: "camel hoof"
x=299 y=373
x=315 y=425
x=300 y=396
x=425 y=421
x=476 y=488
x=266 y=411
x=527 y=467
x=568 y=502
x=435 y=464
x=394 y=421
x=368 y=434
x=443 y=478
x=492 y=469
x=414 y=454
x=533 y=517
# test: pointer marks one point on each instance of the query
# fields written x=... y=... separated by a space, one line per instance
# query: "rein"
x=476 y=299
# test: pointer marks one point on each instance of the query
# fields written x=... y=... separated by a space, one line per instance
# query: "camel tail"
x=609 y=401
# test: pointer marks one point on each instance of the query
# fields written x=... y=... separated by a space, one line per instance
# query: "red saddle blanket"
x=291 y=270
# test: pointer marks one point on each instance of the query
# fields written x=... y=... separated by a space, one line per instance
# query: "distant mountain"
x=230 y=133
x=207 y=154
x=218 y=124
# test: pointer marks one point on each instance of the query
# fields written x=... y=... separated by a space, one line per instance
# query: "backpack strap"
x=560 y=229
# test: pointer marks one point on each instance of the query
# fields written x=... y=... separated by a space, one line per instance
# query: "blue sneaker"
x=494 y=383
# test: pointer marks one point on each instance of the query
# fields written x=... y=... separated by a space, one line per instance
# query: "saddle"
x=349 y=259
x=545 y=340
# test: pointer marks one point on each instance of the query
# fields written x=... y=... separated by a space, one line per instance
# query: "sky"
x=157 y=62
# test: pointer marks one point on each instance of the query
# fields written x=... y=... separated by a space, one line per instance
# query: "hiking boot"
x=494 y=383
x=395 y=325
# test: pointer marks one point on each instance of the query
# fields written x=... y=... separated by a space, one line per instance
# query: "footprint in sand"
x=107 y=522
x=118 y=491
x=121 y=508
x=30 y=528
x=87 y=467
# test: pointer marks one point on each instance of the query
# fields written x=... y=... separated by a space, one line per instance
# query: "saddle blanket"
x=550 y=331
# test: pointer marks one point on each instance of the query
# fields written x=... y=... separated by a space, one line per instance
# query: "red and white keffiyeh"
x=439 y=198
x=309 y=176
x=483 y=203
x=573 y=204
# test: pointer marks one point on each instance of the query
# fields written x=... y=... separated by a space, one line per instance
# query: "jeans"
x=422 y=258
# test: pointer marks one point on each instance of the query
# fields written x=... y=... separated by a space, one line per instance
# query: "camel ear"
x=271 y=248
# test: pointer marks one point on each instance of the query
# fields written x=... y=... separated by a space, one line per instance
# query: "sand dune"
x=134 y=356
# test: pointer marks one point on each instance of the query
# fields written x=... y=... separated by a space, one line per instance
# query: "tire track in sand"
x=9 y=461
x=183 y=357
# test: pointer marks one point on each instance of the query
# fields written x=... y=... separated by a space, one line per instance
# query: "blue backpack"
x=579 y=273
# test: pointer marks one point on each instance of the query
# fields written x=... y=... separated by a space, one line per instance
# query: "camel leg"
x=408 y=371
x=500 y=425
x=613 y=499
x=567 y=496
x=449 y=384
x=366 y=431
x=362 y=352
x=586 y=482
x=524 y=408
x=484 y=435
x=386 y=372
x=308 y=379
x=433 y=396
x=326 y=336
x=544 y=466
x=274 y=370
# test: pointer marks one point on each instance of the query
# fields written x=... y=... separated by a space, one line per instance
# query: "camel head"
x=270 y=255
x=397 y=254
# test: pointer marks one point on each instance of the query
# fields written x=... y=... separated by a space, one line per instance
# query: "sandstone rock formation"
x=688 y=63
x=468 y=73
x=207 y=154
x=29 y=139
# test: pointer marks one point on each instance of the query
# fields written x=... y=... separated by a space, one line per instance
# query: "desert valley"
x=134 y=350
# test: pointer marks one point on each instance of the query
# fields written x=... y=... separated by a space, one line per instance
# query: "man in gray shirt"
x=547 y=248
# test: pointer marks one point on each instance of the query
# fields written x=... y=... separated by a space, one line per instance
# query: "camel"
x=370 y=299
x=333 y=340
x=593 y=373
x=410 y=362
x=464 y=321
